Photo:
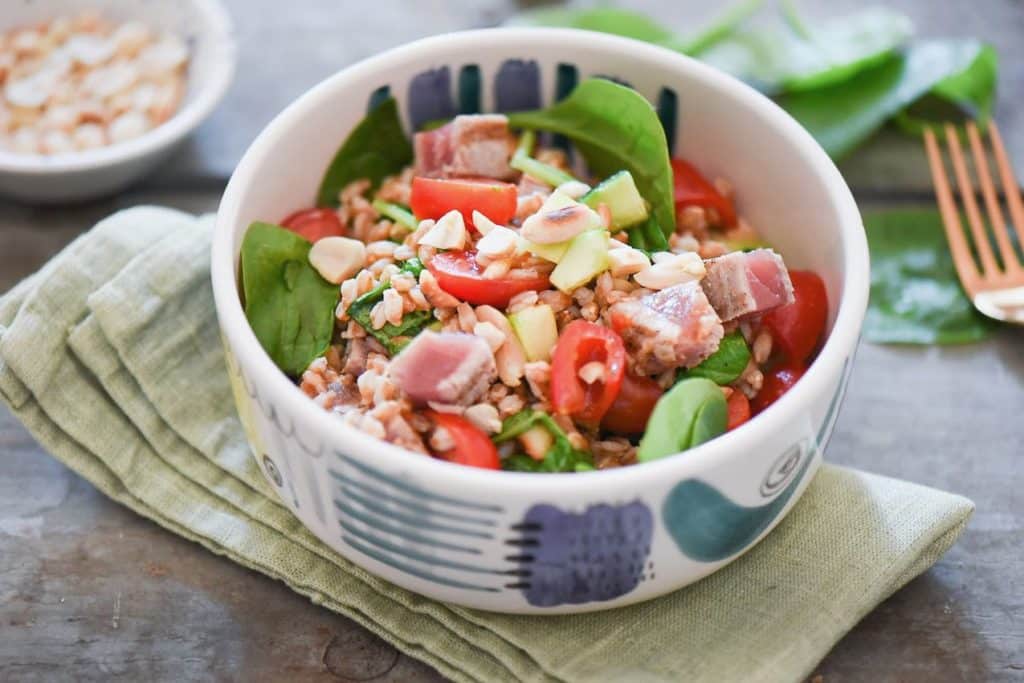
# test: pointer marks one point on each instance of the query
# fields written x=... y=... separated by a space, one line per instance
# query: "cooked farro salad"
x=481 y=298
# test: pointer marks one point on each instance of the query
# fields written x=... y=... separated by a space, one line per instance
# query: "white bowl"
x=556 y=543
x=203 y=24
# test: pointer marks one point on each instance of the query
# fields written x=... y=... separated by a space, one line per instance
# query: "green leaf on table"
x=842 y=116
x=376 y=148
x=614 y=128
x=915 y=295
x=289 y=306
x=967 y=94
x=619 y=22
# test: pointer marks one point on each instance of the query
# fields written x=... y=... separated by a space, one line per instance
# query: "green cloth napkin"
x=111 y=357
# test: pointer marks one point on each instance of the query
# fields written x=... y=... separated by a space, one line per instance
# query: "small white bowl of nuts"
x=95 y=95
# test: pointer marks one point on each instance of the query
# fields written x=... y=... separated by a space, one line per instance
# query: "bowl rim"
x=838 y=347
x=216 y=17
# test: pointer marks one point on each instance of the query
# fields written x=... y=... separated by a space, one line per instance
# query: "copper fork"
x=997 y=287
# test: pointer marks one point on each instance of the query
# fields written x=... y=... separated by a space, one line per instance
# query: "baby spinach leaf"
x=968 y=94
x=692 y=412
x=843 y=115
x=726 y=364
x=614 y=128
x=376 y=148
x=289 y=306
x=561 y=457
x=648 y=237
x=915 y=295
x=392 y=337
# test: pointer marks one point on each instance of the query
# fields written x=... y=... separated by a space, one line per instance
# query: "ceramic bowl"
x=558 y=543
x=205 y=26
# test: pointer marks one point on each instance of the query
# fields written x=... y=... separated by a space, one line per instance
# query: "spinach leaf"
x=692 y=412
x=915 y=295
x=392 y=337
x=726 y=364
x=638 y=26
x=648 y=237
x=614 y=128
x=561 y=457
x=375 y=149
x=842 y=116
x=289 y=306
x=969 y=94
x=798 y=57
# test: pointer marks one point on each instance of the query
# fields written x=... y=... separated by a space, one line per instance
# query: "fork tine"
x=966 y=188
x=1010 y=188
x=995 y=213
x=962 y=258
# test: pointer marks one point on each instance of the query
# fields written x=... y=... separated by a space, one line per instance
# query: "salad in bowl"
x=537 y=321
x=480 y=298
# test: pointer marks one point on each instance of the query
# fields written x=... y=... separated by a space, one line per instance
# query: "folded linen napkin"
x=111 y=357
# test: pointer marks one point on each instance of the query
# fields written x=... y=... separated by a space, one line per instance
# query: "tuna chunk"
x=447 y=367
x=471 y=145
x=740 y=284
x=672 y=328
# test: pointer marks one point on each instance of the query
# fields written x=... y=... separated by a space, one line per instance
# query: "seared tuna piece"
x=469 y=146
x=740 y=284
x=447 y=367
x=672 y=328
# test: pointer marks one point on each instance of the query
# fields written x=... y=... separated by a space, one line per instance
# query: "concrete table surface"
x=89 y=591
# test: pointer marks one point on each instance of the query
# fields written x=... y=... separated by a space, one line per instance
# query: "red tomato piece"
x=459 y=274
x=314 y=224
x=796 y=328
x=776 y=382
x=434 y=197
x=632 y=406
x=739 y=410
x=582 y=342
x=693 y=189
x=472 y=447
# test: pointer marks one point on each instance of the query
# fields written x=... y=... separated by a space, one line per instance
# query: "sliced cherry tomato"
x=460 y=275
x=776 y=382
x=632 y=406
x=314 y=224
x=739 y=410
x=434 y=197
x=583 y=342
x=693 y=189
x=472 y=447
x=797 y=327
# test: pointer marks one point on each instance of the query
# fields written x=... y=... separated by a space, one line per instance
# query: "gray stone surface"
x=89 y=591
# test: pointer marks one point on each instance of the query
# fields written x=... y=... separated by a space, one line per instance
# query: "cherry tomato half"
x=314 y=224
x=472 y=447
x=582 y=342
x=434 y=197
x=738 y=407
x=633 y=405
x=693 y=189
x=797 y=327
x=776 y=382
x=459 y=274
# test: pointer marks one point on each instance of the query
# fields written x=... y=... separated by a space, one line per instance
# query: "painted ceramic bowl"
x=553 y=543
x=206 y=28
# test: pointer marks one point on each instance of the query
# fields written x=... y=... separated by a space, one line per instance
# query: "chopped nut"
x=498 y=243
x=337 y=258
x=671 y=269
x=449 y=232
x=591 y=372
x=626 y=261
